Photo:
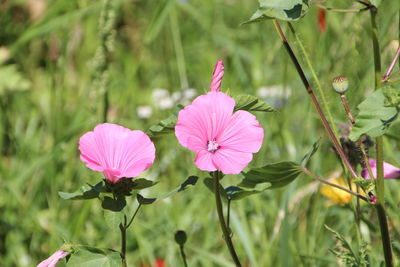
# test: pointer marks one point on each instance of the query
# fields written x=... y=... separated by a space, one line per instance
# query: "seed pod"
x=340 y=84
x=180 y=237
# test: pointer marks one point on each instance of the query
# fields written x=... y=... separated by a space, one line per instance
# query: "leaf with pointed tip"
x=112 y=204
x=277 y=174
x=84 y=192
x=144 y=201
x=142 y=183
x=94 y=257
x=209 y=183
x=375 y=115
x=190 y=181
x=288 y=10
x=165 y=126
x=311 y=153
x=236 y=193
x=251 y=103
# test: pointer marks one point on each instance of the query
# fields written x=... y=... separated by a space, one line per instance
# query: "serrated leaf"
x=144 y=201
x=165 y=126
x=94 y=257
x=251 y=103
x=113 y=219
x=367 y=185
x=288 y=10
x=112 y=204
x=374 y=116
x=277 y=174
x=84 y=192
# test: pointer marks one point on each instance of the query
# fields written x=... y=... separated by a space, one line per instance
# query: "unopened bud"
x=180 y=237
x=340 y=84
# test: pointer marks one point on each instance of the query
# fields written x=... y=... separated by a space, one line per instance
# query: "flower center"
x=212 y=146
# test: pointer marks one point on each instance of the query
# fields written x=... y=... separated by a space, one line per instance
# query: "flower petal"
x=204 y=119
x=231 y=161
x=53 y=259
x=390 y=171
x=204 y=161
x=218 y=74
x=242 y=133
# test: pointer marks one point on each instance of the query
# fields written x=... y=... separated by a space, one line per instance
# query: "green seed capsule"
x=340 y=84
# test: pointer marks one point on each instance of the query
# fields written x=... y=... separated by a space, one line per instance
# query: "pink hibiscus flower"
x=389 y=171
x=53 y=259
x=116 y=151
x=222 y=139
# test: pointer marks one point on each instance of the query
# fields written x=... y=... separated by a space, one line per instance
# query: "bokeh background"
x=162 y=53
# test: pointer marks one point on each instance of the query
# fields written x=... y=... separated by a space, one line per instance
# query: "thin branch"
x=387 y=74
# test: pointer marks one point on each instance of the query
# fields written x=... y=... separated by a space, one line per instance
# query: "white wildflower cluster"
x=276 y=95
x=163 y=100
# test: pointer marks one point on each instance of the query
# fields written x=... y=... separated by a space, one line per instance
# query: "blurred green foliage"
x=48 y=101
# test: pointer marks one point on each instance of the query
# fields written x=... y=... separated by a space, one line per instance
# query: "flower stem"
x=314 y=100
x=225 y=230
x=315 y=77
x=183 y=256
x=387 y=74
x=310 y=174
x=133 y=217
x=347 y=109
x=122 y=227
x=380 y=208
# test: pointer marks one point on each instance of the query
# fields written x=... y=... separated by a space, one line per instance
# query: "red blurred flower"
x=321 y=20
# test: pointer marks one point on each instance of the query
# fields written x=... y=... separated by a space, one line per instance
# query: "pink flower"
x=116 y=151
x=390 y=171
x=223 y=140
x=53 y=259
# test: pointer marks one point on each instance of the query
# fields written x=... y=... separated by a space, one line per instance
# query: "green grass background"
x=174 y=45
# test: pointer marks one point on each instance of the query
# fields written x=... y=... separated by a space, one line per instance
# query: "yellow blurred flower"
x=335 y=195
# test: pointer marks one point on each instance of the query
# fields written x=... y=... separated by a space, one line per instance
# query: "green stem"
x=380 y=208
x=383 y=224
x=310 y=174
x=351 y=10
x=183 y=256
x=122 y=227
x=225 y=230
x=133 y=217
x=315 y=77
x=314 y=100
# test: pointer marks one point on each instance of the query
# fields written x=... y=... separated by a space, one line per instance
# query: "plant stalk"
x=380 y=208
x=122 y=227
x=220 y=212
x=183 y=256
x=314 y=100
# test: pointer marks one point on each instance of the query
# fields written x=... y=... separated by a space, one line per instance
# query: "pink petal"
x=116 y=151
x=218 y=74
x=230 y=161
x=203 y=120
x=204 y=161
x=390 y=171
x=243 y=133
x=53 y=259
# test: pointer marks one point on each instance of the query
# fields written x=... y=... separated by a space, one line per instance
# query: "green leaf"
x=84 y=192
x=236 y=193
x=375 y=115
x=277 y=174
x=94 y=257
x=165 y=126
x=308 y=156
x=113 y=219
x=142 y=183
x=376 y=3
x=209 y=183
x=190 y=181
x=112 y=204
x=251 y=103
x=144 y=201
x=288 y=10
